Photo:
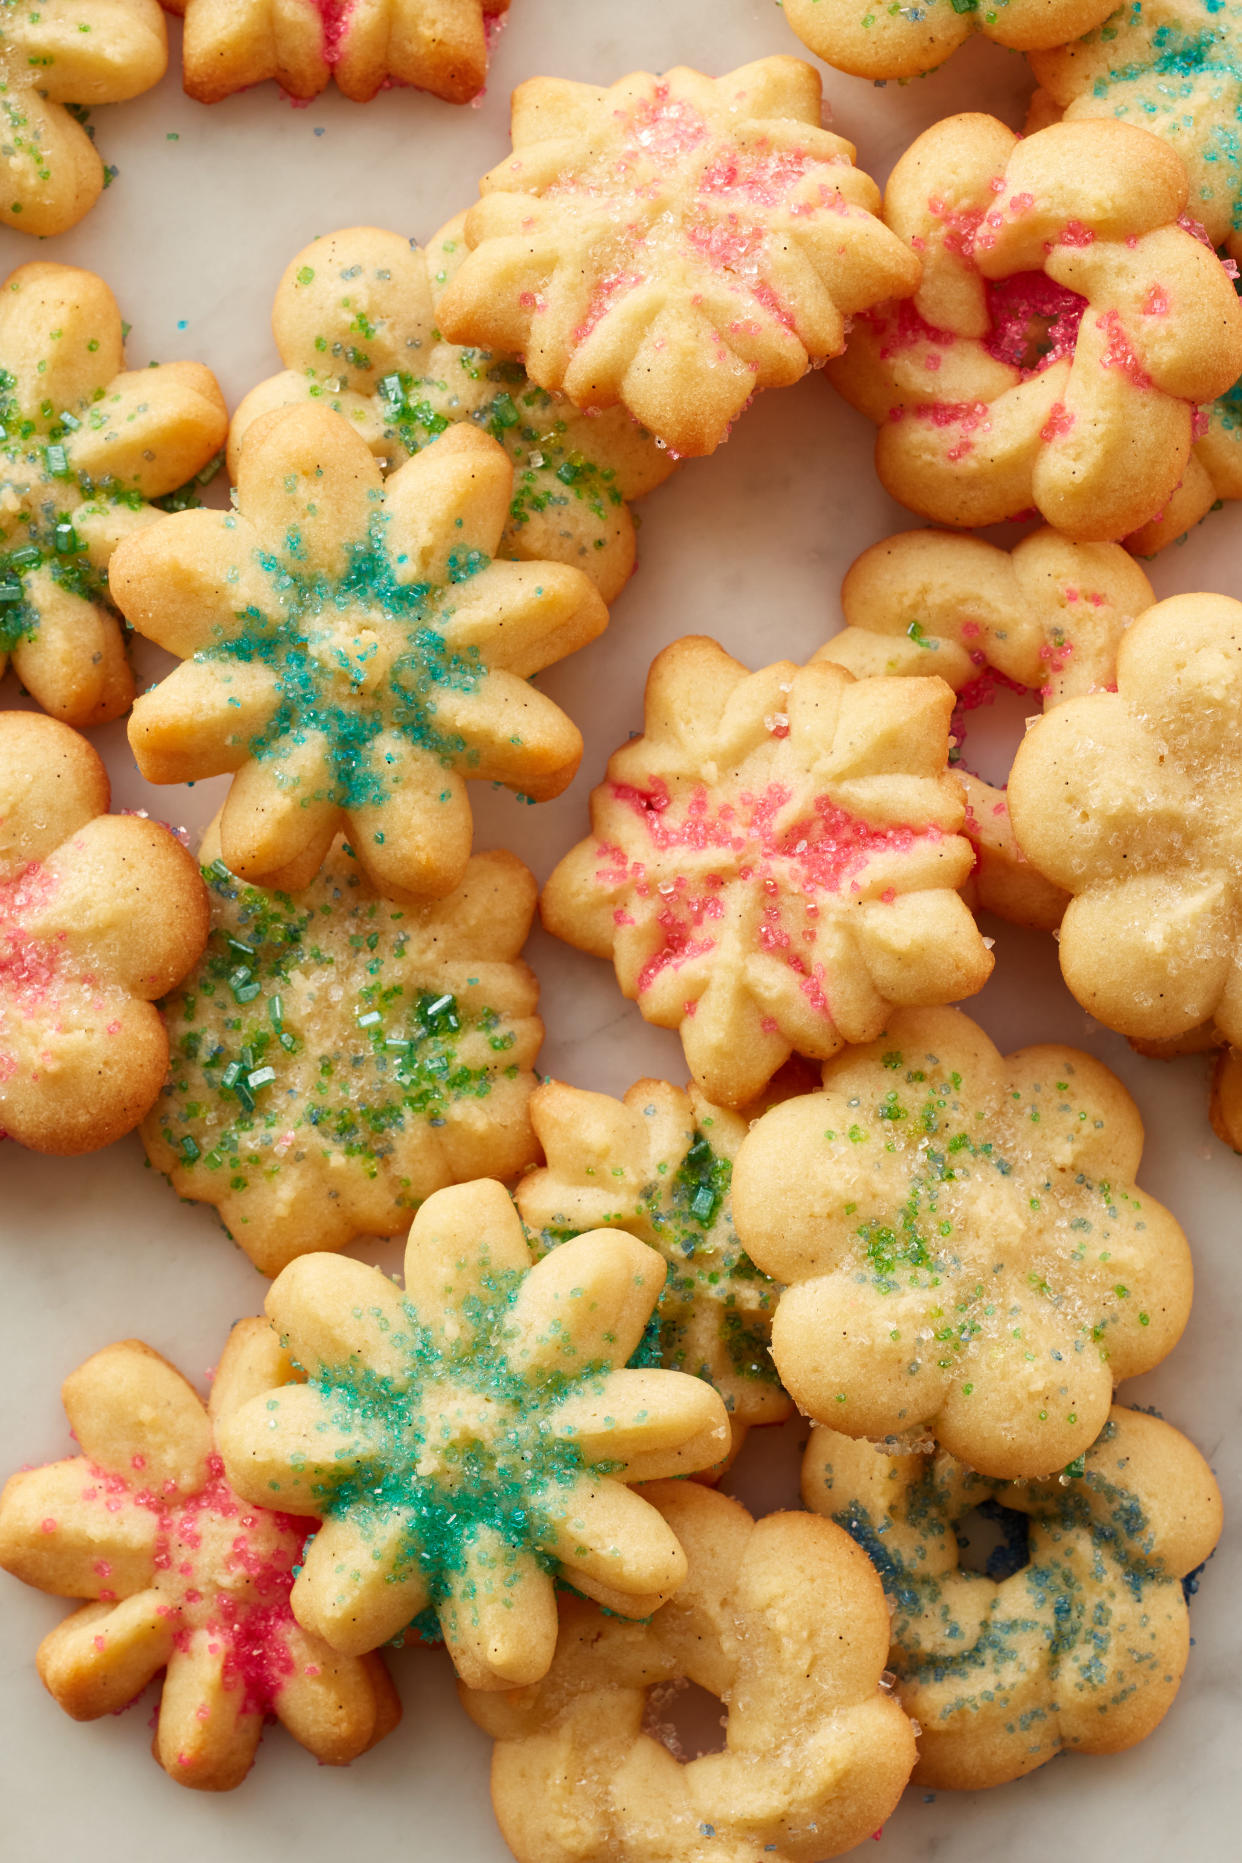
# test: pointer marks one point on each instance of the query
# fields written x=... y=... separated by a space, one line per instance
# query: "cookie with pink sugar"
x=1063 y=336
x=903 y=42
x=100 y=915
x=366 y=45
x=1047 y=617
x=674 y=244
x=773 y=864
x=181 y=1574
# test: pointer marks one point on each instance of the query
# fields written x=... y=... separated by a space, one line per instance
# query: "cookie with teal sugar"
x=1074 y=1636
x=355 y=323
x=180 y=1574
x=475 y=1436
x=336 y=1056
x=353 y=652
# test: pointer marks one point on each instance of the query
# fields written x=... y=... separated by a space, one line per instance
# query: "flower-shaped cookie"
x=1062 y=335
x=673 y=243
x=336 y=1056
x=1213 y=476
x=659 y=1164
x=783 y=1622
x=903 y=42
x=1082 y=1647
x=182 y=1573
x=963 y=1244
x=1130 y=801
x=472 y=1436
x=435 y=45
x=355 y=323
x=353 y=652
x=84 y=445
x=1226 y=1101
x=99 y=915
x=773 y=862
x=56 y=55
x=1047 y=616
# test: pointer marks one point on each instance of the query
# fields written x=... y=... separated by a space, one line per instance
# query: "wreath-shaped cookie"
x=659 y=1164
x=99 y=916
x=337 y=1056
x=1062 y=337
x=55 y=56
x=1129 y=800
x=353 y=652
x=773 y=862
x=181 y=1573
x=355 y=324
x=84 y=446
x=469 y=1438
x=781 y=1620
x=962 y=1244
x=884 y=41
x=435 y=45
x=1047 y=616
x=673 y=243
x=1074 y=1641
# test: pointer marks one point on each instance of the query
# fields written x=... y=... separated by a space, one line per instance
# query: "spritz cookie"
x=1047 y=616
x=773 y=863
x=353 y=652
x=1062 y=337
x=673 y=244
x=1075 y=1637
x=85 y=445
x=962 y=1244
x=782 y=1620
x=181 y=1573
x=355 y=324
x=100 y=915
x=57 y=57
x=471 y=1437
x=903 y=42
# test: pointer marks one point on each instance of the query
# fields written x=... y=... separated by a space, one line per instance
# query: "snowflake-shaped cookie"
x=182 y=1574
x=56 y=55
x=99 y=915
x=337 y=1056
x=773 y=862
x=659 y=1164
x=352 y=651
x=673 y=243
x=1076 y=1635
x=355 y=323
x=1046 y=616
x=435 y=45
x=1062 y=337
x=84 y=446
x=469 y=1438
x=1130 y=801
x=963 y=1244
x=904 y=41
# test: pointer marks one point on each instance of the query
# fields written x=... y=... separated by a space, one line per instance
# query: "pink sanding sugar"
x=1034 y=322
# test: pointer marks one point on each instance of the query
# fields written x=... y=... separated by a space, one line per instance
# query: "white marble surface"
x=749 y=546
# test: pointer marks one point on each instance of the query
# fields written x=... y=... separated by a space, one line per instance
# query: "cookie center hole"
x=994 y=1540
x=686 y=1719
x=989 y=723
x=1034 y=321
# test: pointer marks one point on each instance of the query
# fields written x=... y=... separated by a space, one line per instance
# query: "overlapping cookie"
x=784 y=1621
x=85 y=445
x=181 y=1574
x=1075 y=1636
x=336 y=1056
x=1047 y=616
x=355 y=324
x=56 y=57
x=471 y=1437
x=673 y=244
x=773 y=863
x=903 y=42
x=435 y=45
x=1062 y=338
x=99 y=915
x=351 y=650
x=962 y=1243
